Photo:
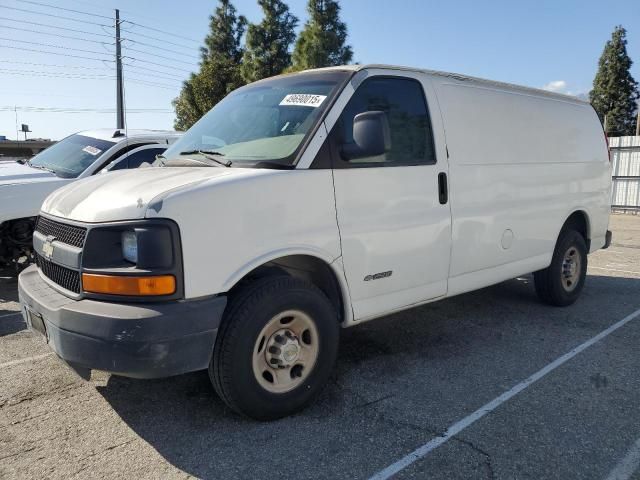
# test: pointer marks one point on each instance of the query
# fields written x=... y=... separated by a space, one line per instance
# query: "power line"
x=55 y=53
x=65 y=9
x=36 y=73
x=80 y=110
x=149 y=37
x=48 y=94
x=50 y=45
x=40 y=32
x=164 y=65
x=169 y=76
x=78 y=76
x=40 y=72
x=138 y=79
x=55 y=16
x=161 y=31
x=156 y=85
x=130 y=13
x=155 y=55
x=158 y=73
x=196 y=57
x=2 y=61
x=93 y=5
x=56 y=27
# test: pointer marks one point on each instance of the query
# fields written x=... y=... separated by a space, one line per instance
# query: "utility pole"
x=119 y=86
x=638 y=123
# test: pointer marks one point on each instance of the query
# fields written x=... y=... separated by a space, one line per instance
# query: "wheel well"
x=580 y=222
x=306 y=267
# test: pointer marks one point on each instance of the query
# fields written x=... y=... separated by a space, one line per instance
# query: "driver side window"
x=404 y=104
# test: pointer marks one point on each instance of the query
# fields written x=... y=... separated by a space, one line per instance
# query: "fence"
x=625 y=153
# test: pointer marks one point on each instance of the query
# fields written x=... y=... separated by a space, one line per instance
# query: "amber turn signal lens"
x=134 y=286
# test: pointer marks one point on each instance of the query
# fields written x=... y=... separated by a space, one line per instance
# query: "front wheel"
x=561 y=282
x=275 y=349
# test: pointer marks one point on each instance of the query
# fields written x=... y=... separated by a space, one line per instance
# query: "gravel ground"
x=400 y=382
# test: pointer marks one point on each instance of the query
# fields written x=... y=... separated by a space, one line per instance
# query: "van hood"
x=127 y=194
x=12 y=172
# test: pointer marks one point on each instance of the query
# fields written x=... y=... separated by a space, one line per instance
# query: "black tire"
x=231 y=370
x=550 y=283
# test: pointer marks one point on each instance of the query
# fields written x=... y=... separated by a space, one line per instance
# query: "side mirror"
x=371 y=136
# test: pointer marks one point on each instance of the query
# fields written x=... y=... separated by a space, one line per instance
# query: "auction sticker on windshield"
x=303 y=100
x=92 y=150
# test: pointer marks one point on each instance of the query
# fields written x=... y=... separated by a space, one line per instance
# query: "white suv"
x=25 y=184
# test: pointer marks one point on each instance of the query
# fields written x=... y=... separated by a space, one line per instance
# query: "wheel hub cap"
x=571 y=269
x=283 y=349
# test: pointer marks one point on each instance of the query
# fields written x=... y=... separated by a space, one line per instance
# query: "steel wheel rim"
x=571 y=269
x=285 y=351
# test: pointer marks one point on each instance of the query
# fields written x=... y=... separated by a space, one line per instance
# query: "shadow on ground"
x=398 y=381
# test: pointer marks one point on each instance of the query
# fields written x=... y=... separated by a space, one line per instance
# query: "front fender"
x=252 y=264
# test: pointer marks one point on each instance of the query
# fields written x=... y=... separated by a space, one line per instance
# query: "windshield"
x=263 y=122
x=71 y=156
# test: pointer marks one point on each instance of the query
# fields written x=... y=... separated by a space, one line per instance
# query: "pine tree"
x=267 y=45
x=219 y=68
x=322 y=41
x=615 y=92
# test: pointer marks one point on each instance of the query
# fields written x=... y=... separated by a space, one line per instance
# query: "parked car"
x=311 y=201
x=25 y=184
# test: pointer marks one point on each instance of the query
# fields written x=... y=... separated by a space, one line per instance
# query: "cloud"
x=556 y=86
x=561 y=86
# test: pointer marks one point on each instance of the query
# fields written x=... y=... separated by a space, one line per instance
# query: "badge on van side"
x=378 y=276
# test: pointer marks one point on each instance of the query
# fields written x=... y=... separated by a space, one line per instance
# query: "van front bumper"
x=140 y=340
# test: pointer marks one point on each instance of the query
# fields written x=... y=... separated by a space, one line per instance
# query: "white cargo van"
x=311 y=201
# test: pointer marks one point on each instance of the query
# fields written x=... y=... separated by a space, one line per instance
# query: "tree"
x=267 y=45
x=615 y=92
x=219 y=68
x=322 y=41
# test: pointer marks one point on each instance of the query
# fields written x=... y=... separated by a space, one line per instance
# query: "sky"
x=543 y=44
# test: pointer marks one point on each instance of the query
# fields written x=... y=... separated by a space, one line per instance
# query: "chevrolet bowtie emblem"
x=47 y=248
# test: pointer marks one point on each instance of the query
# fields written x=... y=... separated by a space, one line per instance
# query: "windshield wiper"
x=41 y=167
x=209 y=154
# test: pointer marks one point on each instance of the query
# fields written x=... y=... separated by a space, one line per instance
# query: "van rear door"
x=393 y=214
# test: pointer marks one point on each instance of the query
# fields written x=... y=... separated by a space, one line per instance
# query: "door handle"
x=443 y=189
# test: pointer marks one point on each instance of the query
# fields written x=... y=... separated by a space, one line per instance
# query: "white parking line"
x=628 y=465
x=10 y=314
x=25 y=360
x=459 y=426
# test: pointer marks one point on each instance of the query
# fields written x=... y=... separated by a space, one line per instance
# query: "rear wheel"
x=560 y=284
x=275 y=349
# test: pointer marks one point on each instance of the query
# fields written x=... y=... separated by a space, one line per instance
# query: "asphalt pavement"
x=401 y=383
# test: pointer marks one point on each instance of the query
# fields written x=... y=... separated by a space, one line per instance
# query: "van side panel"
x=520 y=164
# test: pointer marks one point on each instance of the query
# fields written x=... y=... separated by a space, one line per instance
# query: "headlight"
x=130 y=246
x=133 y=259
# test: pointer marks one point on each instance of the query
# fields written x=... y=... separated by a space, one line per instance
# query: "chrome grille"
x=69 y=234
x=63 y=276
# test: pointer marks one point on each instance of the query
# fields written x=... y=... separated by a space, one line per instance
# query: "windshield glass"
x=262 y=122
x=71 y=156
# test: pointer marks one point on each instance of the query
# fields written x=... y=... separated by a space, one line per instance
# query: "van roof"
x=459 y=77
x=117 y=135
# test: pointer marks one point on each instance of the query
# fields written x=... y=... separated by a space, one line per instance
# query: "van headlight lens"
x=130 y=246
